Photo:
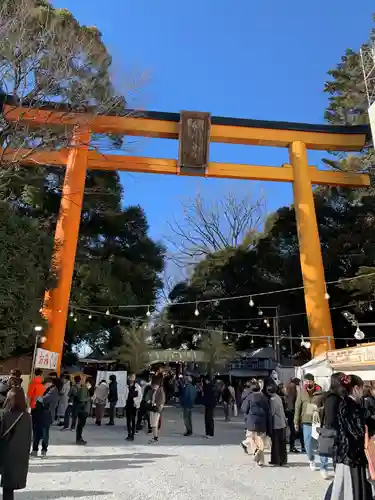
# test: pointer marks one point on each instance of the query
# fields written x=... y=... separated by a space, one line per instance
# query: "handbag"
x=370 y=453
x=326 y=441
x=315 y=425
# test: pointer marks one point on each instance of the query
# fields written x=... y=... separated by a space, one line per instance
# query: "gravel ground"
x=178 y=468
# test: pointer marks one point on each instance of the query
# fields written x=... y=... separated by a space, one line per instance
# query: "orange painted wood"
x=147 y=127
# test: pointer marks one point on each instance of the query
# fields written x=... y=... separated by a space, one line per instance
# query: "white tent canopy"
x=320 y=368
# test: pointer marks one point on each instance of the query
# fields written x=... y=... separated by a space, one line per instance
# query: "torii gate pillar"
x=317 y=306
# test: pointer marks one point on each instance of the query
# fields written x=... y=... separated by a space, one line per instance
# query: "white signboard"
x=122 y=380
x=46 y=359
x=352 y=356
x=371 y=113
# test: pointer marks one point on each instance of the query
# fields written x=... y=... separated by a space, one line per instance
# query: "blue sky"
x=264 y=59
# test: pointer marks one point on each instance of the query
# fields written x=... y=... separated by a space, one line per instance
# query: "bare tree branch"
x=210 y=227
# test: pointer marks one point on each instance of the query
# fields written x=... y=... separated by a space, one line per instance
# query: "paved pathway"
x=178 y=468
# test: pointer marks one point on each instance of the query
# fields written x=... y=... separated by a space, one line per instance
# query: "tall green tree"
x=25 y=253
x=48 y=57
x=134 y=349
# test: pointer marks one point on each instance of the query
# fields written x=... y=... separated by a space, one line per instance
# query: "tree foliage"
x=134 y=348
x=346 y=221
x=216 y=350
x=48 y=57
x=25 y=253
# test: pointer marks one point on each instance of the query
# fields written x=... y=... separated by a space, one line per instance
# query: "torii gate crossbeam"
x=295 y=136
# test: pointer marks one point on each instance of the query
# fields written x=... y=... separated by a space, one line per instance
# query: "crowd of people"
x=333 y=424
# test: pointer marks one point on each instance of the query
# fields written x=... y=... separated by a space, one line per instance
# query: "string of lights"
x=226 y=333
x=108 y=313
x=223 y=299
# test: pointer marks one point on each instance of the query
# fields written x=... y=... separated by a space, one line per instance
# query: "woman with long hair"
x=350 y=481
x=279 y=425
x=15 y=433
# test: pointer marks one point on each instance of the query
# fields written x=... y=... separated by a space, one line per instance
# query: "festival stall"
x=355 y=360
x=358 y=360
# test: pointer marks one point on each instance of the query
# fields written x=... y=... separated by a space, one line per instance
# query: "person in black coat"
x=45 y=411
x=209 y=401
x=349 y=451
x=112 y=398
x=15 y=429
x=369 y=405
x=256 y=409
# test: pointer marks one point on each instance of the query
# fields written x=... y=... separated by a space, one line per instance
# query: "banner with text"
x=46 y=360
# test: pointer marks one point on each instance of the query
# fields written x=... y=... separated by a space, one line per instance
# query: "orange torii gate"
x=195 y=131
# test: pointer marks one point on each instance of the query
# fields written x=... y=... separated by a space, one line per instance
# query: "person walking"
x=112 y=398
x=256 y=409
x=228 y=397
x=144 y=409
x=100 y=401
x=15 y=433
x=209 y=401
x=36 y=390
x=290 y=399
x=44 y=414
x=83 y=406
x=70 y=416
x=188 y=396
x=279 y=425
x=64 y=399
x=133 y=398
x=328 y=422
x=309 y=399
x=157 y=405
x=350 y=480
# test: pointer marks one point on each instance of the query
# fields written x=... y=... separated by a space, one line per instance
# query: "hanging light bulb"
x=370 y=308
x=359 y=335
x=145 y=326
x=172 y=327
x=265 y=320
x=196 y=312
x=226 y=337
x=90 y=316
x=71 y=314
x=326 y=295
x=268 y=324
x=251 y=302
x=302 y=341
x=118 y=321
x=260 y=312
x=148 y=313
x=252 y=340
x=107 y=312
x=307 y=344
x=75 y=320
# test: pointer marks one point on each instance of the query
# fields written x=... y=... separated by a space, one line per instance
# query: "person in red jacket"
x=35 y=391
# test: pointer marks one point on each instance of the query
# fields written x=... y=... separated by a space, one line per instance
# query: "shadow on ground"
x=92 y=464
x=55 y=495
x=138 y=456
